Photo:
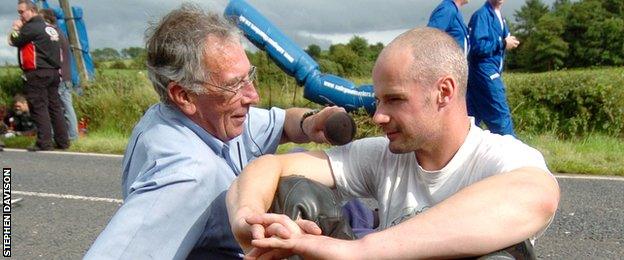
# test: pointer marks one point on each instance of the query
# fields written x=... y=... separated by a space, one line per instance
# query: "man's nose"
x=250 y=94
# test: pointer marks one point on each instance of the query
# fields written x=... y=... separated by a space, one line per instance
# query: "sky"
x=121 y=23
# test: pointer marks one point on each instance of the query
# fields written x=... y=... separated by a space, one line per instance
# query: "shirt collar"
x=216 y=145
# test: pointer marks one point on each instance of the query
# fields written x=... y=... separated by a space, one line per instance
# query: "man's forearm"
x=487 y=216
x=252 y=193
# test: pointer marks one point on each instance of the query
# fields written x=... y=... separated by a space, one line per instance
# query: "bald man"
x=445 y=187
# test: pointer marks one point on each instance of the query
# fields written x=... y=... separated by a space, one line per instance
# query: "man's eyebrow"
x=393 y=95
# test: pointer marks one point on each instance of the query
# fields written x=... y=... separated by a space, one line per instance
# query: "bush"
x=119 y=64
x=10 y=84
x=116 y=100
x=568 y=103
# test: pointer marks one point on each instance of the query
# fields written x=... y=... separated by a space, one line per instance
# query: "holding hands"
x=275 y=236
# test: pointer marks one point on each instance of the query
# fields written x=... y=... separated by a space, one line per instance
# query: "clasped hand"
x=273 y=236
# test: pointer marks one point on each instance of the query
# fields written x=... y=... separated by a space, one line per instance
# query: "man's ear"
x=181 y=98
x=447 y=89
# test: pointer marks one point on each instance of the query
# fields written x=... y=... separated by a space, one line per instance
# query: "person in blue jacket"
x=447 y=18
x=489 y=39
x=186 y=150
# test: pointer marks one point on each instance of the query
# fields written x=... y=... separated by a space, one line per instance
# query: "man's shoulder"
x=506 y=148
x=158 y=131
x=482 y=11
x=370 y=147
x=34 y=25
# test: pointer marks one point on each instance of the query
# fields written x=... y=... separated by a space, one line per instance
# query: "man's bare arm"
x=253 y=191
x=489 y=215
x=494 y=213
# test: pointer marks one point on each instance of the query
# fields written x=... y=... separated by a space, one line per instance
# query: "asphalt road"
x=69 y=198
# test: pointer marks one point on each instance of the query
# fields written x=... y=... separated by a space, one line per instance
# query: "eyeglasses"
x=235 y=88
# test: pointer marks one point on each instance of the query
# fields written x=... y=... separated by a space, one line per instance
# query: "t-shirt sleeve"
x=265 y=128
x=518 y=155
x=355 y=165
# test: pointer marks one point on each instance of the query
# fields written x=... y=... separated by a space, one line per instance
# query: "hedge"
x=568 y=103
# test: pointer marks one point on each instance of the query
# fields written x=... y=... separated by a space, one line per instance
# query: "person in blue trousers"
x=489 y=40
x=447 y=18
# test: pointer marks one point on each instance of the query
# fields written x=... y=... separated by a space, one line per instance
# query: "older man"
x=445 y=187
x=185 y=151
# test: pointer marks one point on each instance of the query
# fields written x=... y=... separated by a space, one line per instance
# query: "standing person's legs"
x=487 y=102
x=65 y=92
x=497 y=115
x=55 y=108
x=37 y=97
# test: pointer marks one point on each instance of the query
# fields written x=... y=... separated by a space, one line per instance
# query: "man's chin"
x=235 y=132
x=396 y=148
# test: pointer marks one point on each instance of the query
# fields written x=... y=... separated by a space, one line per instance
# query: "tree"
x=359 y=45
x=524 y=28
x=582 y=16
x=604 y=42
x=105 y=54
x=528 y=16
x=132 y=52
x=346 y=57
x=314 y=51
x=550 y=50
x=374 y=51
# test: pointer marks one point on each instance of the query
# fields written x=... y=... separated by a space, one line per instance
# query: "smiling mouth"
x=392 y=135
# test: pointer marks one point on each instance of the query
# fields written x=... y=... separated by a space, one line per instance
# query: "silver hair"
x=176 y=46
x=29 y=4
x=435 y=55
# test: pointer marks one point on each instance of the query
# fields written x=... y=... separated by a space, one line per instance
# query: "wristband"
x=306 y=115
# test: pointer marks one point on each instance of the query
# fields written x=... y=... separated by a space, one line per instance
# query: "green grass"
x=594 y=154
x=106 y=142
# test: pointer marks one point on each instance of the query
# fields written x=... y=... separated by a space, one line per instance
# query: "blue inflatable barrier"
x=84 y=40
x=82 y=37
x=324 y=89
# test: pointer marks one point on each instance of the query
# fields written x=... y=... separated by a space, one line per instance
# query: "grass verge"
x=594 y=154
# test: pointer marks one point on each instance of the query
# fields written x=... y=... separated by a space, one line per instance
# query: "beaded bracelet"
x=306 y=115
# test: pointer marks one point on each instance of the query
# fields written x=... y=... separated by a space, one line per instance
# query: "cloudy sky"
x=121 y=23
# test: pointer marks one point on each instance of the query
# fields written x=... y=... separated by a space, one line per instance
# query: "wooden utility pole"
x=74 y=41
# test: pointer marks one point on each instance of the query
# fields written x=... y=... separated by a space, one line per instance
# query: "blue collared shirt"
x=175 y=176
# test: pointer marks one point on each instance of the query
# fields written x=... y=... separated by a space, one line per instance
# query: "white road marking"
x=65 y=196
x=118 y=201
x=589 y=177
x=64 y=152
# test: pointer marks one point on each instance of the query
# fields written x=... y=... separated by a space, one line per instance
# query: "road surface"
x=69 y=198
